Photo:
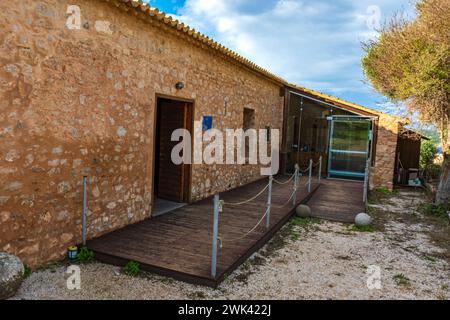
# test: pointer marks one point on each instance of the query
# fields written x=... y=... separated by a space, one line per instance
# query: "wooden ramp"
x=338 y=200
x=179 y=244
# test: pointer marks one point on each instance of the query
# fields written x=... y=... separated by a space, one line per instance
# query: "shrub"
x=430 y=209
x=85 y=255
x=428 y=152
x=433 y=172
x=132 y=268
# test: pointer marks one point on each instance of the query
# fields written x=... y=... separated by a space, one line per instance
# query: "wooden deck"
x=179 y=244
x=338 y=200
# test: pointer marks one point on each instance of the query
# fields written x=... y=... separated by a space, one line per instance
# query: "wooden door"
x=172 y=181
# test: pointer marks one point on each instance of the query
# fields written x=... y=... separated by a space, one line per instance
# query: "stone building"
x=93 y=88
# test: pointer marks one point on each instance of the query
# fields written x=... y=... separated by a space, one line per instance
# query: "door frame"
x=188 y=192
x=370 y=138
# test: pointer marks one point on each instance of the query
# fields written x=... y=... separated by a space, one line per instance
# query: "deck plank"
x=338 y=200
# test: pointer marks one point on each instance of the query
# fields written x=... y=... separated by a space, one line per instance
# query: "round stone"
x=11 y=275
x=303 y=211
x=363 y=219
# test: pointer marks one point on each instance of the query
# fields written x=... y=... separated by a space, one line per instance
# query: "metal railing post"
x=297 y=169
x=84 y=220
x=366 y=182
x=320 y=169
x=310 y=174
x=215 y=236
x=269 y=202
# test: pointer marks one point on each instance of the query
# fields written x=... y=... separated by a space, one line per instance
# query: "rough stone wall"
x=382 y=174
x=82 y=102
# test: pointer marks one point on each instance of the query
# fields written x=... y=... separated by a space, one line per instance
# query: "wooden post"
x=269 y=202
x=84 y=220
x=215 y=236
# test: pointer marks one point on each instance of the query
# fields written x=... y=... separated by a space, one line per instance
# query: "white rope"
x=287 y=202
x=286 y=182
x=305 y=171
x=222 y=240
x=246 y=201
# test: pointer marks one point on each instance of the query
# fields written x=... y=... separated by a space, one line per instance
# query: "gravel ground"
x=307 y=260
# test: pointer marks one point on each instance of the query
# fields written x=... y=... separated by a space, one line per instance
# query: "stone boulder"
x=303 y=211
x=363 y=219
x=11 y=275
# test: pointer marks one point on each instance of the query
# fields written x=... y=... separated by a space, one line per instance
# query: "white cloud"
x=311 y=43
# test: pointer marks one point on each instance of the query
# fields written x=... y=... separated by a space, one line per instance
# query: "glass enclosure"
x=349 y=147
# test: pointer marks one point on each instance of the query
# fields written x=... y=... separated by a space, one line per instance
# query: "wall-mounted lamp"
x=179 y=85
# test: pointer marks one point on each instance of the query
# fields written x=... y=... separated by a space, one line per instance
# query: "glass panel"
x=349 y=148
x=350 y=135
x=348 y=164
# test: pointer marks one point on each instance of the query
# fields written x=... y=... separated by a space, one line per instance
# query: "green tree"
x=410 y=62
x=428 y=152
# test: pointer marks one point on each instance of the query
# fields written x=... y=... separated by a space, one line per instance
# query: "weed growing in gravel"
x=295 y=236
x=132 y=268
x=386 y=191
x=375 y=196
x=27 y=272
x=430 y=258
x=85 y=255
x=430 y=209
x=402 y=280
x=368 y=229
x=304 y=222
x=197 y=295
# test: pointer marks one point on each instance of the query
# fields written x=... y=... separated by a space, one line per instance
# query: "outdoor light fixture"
x=72 y=253
x=179 y=85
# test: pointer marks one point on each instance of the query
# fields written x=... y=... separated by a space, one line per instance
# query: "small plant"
x=27 y=272
x=85 y=255
x=430 y=258
x=383 y=190
x=132 y=268
x=304 y=222
x=357 y=228
x=379 y=194
x=295 y=236
x=430 y=209
x=401 y=280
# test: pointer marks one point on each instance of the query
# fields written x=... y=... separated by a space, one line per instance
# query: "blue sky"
x=312 y=43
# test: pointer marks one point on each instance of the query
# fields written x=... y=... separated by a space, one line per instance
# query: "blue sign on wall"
x=207 y=123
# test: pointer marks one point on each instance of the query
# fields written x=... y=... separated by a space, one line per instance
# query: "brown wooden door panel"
x=173 y=180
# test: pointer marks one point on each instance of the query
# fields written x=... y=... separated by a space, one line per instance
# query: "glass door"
x=350 y=142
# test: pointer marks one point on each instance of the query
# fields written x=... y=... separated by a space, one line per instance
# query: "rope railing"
x=287 y=202
x=246 y=201
x=223 y=240
x=219 y=205
x=285 y=182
